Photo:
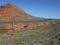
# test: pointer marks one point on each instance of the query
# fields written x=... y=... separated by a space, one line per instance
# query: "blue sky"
x=39 y=8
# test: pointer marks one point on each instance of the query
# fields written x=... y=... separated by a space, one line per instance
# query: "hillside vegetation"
x=44 y=35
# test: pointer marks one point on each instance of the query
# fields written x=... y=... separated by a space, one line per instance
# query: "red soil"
x=8 y=27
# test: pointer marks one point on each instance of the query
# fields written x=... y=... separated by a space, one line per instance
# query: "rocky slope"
x=10 y=10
